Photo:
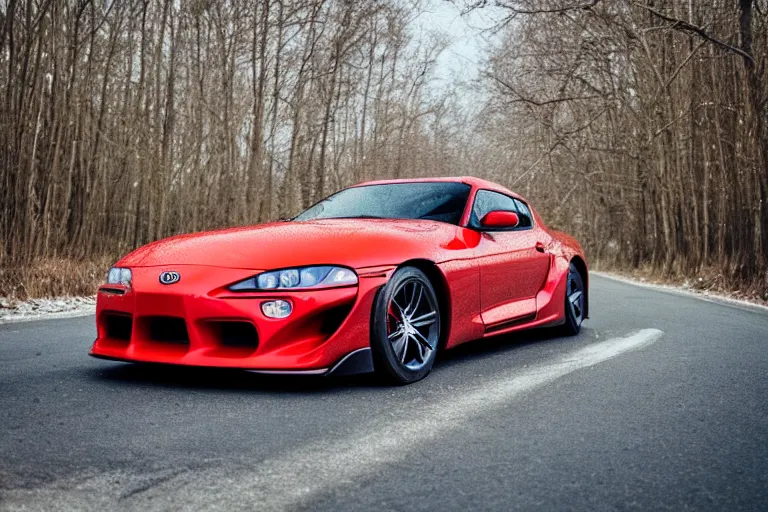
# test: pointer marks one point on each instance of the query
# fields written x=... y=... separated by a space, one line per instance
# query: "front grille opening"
x=333 y=318
x=119 y=327
x=168 y=329
x=238 y=334
x=115 y=291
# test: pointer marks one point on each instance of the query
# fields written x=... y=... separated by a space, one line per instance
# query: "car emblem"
x=169 y=277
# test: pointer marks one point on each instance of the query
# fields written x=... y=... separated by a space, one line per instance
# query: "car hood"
x=356 y=243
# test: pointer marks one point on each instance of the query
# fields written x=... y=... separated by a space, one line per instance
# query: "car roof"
x=476 y=183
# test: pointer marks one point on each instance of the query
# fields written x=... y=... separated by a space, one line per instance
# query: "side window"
x=526 y=219
x=486 y=201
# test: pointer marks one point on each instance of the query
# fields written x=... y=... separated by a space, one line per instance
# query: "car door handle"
x=539 y=246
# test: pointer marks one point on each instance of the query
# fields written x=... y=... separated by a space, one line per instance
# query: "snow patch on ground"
x=684 y=290
x=44 y=309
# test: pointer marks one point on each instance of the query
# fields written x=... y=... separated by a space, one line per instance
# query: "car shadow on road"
x=504 y=343
x=170 y=376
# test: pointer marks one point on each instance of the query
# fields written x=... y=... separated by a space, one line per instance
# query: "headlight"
x=118 y=275
x=298 y=278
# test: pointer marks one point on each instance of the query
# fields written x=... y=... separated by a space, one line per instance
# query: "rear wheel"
x=405 y=327
x=574 y=301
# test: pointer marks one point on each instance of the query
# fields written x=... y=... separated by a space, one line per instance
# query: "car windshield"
x=440 y=201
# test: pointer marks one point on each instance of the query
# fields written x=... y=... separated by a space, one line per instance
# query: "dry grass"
x=53 y=278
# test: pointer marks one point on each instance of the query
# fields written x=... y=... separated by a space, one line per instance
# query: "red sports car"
x=377 y=277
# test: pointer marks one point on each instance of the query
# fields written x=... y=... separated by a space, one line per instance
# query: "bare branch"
x=684 y=26
x=554 y=10
x=539 y=103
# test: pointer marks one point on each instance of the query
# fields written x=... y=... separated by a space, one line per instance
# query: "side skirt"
x=506 y=324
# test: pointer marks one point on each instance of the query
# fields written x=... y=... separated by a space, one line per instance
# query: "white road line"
x=295 y=478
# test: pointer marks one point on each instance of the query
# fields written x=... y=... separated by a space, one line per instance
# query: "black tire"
x=575 y=300
x=405 y=336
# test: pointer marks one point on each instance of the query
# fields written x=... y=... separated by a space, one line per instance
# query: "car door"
x=513 y=262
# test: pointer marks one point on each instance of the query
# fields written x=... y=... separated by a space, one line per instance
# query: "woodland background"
x=638 y=126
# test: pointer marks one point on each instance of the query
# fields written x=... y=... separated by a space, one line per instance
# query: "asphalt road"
x=660 y=403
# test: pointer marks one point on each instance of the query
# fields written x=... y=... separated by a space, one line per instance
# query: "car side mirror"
x=500 y=219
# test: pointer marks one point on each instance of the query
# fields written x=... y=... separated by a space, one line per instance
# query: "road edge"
x=55 y=315
x=706 y=296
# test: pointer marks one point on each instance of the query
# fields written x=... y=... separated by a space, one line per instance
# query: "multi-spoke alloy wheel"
x=574 y=301
x=412 y=325
x=406 y=326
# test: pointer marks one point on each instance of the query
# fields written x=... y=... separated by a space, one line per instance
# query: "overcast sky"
x=468 y=39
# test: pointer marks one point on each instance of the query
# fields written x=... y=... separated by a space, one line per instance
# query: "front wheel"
x=574 y=301
x=405 y=329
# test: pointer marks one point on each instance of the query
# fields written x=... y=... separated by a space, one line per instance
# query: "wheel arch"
x=581 y=266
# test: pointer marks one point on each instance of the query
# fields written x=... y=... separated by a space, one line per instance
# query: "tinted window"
x=487 y=201
x=440 y=201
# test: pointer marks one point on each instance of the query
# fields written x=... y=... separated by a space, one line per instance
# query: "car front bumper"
x=199 y=322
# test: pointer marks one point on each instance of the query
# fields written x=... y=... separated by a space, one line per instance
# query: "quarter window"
x=487 y=201
x=526 y=219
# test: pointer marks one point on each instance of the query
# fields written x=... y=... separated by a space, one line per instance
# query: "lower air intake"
x=238 y=334
x=168 y=329
x=118 y=326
